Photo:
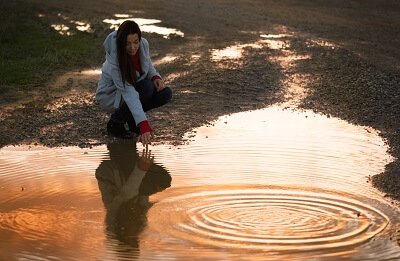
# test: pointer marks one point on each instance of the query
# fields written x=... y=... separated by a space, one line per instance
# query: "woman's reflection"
x=126 y=181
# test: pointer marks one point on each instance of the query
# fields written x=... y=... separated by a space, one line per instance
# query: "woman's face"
x=132 y=44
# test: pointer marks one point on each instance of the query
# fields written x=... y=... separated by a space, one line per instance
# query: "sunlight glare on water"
x=146 y=25
x=271 y=184
x=64 y=29
x=232 y=52
x=236 y=51
x=279 y=184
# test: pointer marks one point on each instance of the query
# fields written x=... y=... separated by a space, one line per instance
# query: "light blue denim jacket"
x=111 y=89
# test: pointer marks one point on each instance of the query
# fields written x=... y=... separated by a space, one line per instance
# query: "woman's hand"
x=146 y=138
x=159 y=84
x=146 y=133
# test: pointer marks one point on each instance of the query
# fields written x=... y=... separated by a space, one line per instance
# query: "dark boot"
x=118 y=130
x=132 y=126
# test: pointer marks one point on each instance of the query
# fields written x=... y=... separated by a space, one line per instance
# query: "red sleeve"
x=155 y=77
x=145 y=127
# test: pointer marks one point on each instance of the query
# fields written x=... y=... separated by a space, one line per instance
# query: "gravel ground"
x=340 y=58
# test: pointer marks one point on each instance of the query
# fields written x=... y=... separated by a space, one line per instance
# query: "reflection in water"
x=292 y=187
x=126 y=181
x=146 y=25
x=58 y=205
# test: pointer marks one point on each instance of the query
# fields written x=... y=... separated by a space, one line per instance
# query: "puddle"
x=65 y=29
x=236 y=51
x=61 y=29
x=271 y=184
x=232 y=52
x=146 y=25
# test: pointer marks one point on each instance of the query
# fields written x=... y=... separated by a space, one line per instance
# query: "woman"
x=129 y=85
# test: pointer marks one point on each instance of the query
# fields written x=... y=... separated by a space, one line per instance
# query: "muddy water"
x=271 y=184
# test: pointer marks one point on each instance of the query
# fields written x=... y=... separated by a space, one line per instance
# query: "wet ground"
x=297 y=188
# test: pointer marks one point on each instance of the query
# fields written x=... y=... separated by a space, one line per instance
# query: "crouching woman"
x=129 y=85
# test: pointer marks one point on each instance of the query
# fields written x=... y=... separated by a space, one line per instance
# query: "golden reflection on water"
x=46 y=206
x=126 y=181
x=75 y=203
x=292 y=186
x=304 y=146
x=303 y=190
x=267 y=219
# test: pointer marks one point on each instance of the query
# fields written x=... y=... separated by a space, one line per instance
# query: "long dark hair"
x=127 y=70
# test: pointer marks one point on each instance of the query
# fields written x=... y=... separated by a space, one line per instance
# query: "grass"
x=31 y=52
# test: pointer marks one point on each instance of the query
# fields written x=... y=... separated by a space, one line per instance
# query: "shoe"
x=132 y=127
x=118 y=130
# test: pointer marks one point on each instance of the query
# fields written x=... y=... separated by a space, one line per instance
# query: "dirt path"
x=336 y=57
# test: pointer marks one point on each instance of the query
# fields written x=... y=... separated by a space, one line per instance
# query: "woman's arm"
x=129 y=94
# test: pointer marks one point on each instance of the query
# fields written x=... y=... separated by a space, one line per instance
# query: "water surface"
x=271 y=184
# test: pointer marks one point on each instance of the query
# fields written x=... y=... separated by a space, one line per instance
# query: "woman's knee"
x=146 y=89
x=167 y=94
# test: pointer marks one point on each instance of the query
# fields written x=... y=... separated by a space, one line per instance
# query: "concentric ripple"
x=269 y=219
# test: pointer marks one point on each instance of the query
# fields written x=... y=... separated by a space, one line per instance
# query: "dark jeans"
x=149 y=97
